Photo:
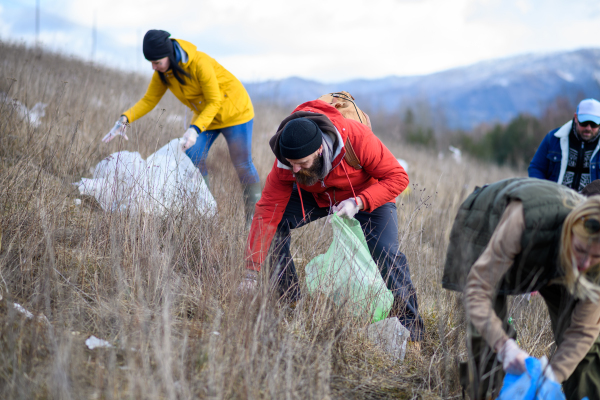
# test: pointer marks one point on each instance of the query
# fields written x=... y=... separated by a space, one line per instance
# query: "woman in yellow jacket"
x=218 y=100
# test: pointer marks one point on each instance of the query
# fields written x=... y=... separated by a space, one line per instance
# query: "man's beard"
x=578 y=132
x=310 y=176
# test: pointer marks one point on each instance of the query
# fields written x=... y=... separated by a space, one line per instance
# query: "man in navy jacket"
x=569 y=154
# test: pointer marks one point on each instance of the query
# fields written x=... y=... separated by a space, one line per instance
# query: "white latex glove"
x=512 y=357
x=547 y=369
x=189 y=138
x=118 y=129
x=249 y=283
x=347 y=208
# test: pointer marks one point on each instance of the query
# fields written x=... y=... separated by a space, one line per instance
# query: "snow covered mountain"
x=490 y=91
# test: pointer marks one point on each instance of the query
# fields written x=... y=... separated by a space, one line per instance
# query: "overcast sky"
x=324 y=40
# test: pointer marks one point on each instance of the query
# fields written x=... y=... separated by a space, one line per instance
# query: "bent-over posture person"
x=313 y=177
x=517 y=236
x=218 y=100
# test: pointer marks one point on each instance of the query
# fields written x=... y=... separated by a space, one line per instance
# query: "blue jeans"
x=381 y=233
x=239 y=141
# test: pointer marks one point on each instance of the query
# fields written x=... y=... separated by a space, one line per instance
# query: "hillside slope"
x=163 y=291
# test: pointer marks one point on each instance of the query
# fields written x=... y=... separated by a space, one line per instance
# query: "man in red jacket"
x=312 y=177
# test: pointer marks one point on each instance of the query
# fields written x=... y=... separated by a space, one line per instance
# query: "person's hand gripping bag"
x=347 y=273
x=533 y=384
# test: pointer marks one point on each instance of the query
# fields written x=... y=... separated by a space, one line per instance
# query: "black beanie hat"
x=157 y=45
x=300 y=138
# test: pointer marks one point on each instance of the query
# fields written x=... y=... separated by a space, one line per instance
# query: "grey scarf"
x=327 y=155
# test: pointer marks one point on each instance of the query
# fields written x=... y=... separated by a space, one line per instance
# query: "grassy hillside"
x=162 y=291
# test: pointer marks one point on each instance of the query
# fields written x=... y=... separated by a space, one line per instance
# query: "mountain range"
x=461 y=98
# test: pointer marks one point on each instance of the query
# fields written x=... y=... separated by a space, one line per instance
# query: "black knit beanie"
x=300 y=138
x=157 y=45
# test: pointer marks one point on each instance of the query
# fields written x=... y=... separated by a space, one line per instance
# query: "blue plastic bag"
x=530 y=385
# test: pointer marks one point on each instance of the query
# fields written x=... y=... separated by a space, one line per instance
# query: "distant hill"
x=490 y=91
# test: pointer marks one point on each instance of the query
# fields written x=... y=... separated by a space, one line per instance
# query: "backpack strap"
x=350 y=156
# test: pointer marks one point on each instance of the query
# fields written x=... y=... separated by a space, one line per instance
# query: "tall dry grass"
x=162 y=291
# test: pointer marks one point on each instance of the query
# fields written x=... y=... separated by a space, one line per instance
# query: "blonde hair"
x=583 y=285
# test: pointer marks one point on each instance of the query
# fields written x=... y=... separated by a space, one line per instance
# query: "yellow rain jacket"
x=216 y=97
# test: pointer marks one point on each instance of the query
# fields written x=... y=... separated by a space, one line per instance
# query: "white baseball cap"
x=589 y=110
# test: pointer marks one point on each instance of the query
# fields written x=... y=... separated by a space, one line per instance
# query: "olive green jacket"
x=545 y=207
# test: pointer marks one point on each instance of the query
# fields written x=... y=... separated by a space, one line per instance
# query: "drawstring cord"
x=301 y=202
x=344 y=168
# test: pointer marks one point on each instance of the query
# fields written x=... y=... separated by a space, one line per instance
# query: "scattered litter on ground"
x=94 y=343
x=34 y=116
x=391 y=335
x=77 y=202
x=167 y=181
x=29 y=315
x=23 y=310
x=403 y=163
x=456 y=154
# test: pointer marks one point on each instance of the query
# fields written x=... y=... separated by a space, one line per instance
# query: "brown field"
x=163 y=291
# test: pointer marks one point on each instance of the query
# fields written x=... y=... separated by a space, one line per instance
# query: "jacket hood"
x=189 y=48
x=322 y=121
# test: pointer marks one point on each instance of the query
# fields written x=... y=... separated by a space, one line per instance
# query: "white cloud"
x=4 y=25
x=331 y=40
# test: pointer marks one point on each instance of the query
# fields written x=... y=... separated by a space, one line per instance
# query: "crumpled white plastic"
x=19 y=308
x=33 y=116
x=23 y=310
x=93 y=342
x=166 y=182
x=403 y=163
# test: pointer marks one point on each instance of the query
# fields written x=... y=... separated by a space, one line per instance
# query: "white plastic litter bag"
x=166 y=182
x=391 y=335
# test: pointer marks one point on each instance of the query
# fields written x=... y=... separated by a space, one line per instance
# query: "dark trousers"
x=381 y=233
x=485 y=371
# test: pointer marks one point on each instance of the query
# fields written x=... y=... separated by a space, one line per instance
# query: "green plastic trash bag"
x=347 y=272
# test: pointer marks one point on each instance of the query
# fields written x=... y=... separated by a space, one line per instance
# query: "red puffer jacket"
x=380 y=180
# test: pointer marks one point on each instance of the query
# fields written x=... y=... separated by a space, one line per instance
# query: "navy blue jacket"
x=550 y=162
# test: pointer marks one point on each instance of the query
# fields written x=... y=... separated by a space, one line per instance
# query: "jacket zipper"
x=579 y=166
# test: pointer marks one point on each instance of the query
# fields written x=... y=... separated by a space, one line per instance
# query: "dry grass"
x=163 y=291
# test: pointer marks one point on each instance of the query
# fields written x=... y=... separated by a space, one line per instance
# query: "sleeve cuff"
x=365 y=202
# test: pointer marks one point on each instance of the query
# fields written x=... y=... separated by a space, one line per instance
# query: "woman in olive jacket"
x=218 y=100
x=522 y=235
